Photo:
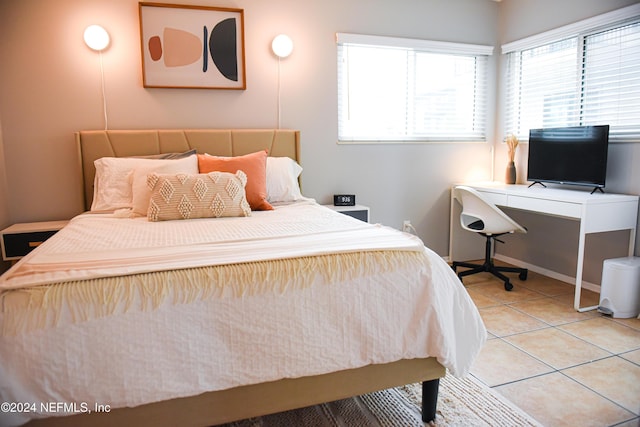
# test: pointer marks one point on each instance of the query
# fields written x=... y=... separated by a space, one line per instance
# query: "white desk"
x=596 y=212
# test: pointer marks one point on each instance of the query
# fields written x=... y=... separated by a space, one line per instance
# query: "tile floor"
x=562 y=367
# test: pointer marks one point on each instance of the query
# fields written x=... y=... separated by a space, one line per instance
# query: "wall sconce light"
x=282 y=46
x=96 y=37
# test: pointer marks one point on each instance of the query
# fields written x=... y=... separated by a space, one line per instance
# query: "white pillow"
x=282 y=180
x=112 y=184
x=141 y=191
x=114 y=176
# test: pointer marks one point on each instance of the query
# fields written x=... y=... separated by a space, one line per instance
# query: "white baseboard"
x=549 y=273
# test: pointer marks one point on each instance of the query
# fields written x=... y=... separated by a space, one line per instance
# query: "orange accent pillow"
x=254 y=165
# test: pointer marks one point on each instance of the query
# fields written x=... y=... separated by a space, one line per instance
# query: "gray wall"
x=51 y=88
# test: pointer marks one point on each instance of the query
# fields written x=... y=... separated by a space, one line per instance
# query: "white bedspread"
x=100 y=245
x=176 y=350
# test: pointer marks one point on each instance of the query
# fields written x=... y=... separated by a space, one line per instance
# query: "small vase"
x=510 y=176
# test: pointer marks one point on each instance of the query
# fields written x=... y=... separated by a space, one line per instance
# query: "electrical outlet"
x=406 y=226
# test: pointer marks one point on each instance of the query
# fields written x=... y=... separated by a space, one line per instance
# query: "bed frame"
x=224 y=406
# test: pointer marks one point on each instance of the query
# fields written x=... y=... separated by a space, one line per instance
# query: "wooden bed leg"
x=429 y=399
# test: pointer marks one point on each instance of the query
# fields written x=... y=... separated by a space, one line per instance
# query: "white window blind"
x=588 y=78
x=392 y=89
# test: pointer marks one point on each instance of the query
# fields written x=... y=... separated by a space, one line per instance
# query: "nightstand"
x=358 y=211
x=20 y=239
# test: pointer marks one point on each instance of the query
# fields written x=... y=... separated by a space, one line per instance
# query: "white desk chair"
x=481 y=216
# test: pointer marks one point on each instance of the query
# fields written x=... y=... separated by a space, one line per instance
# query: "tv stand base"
x=536 y=182
x=600 y=189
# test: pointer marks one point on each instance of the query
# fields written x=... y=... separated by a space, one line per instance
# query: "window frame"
x=576 y=33
x=420 y=46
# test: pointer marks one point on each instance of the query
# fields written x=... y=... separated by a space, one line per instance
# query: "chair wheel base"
x=508 y=286
x=523 y=275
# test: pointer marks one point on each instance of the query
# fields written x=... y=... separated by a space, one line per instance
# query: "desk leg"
x=451 y=219
x=581 y=246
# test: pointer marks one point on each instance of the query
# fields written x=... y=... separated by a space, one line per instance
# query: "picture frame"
x=194 y=47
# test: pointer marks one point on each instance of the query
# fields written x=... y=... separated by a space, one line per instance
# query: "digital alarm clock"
x=344 y=200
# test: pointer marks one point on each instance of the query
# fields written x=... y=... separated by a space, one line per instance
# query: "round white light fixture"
x=96 y=37
x=282 y=45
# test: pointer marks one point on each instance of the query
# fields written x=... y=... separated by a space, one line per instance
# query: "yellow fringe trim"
x=41 y=307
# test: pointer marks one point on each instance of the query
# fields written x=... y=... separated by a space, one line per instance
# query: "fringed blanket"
x=46 y=306
x=103 y=264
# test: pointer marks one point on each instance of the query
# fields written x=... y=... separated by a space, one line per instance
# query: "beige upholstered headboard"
x=95 y=144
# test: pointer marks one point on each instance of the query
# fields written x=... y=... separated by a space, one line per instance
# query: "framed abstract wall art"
x=195 y=47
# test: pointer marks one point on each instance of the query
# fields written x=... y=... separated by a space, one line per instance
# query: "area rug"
x=461 y=403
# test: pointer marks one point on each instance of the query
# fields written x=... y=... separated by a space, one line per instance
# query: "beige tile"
x=476 y=279
x=552 y=311
x=587 y=298
x=480 y=299
x=547 y=286
x=631 y=423
x=605 y=333
x=496 y=354
x=503 y=320
x=632 y=356
x=557 y=401
x=633 y=323
x=494 y=289
x=614 y=378
x=502 y=365
x=557 y=348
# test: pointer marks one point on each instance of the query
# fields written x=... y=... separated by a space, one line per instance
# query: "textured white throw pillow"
x=208 y=195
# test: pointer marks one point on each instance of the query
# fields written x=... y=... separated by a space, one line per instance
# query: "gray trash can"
x=620 y=287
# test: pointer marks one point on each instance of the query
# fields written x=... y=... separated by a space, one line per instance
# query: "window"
x=584 y=74
x=392 y=89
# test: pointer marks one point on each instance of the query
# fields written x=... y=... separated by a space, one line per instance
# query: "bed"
x=199 y=323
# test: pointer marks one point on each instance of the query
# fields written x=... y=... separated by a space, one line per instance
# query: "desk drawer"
x=495 y=198
x=551 y=207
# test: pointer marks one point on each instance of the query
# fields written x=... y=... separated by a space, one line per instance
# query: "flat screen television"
x=569 y=155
